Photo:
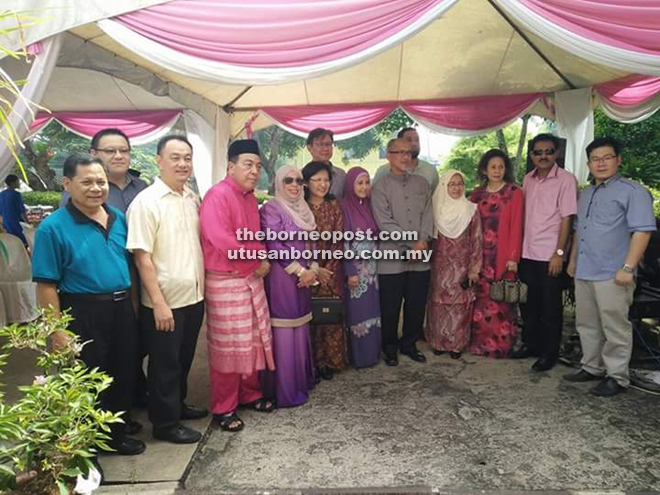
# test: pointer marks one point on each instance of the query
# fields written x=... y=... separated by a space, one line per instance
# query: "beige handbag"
x=509 y=291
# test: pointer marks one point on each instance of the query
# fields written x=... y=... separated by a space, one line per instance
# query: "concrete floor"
x=472 y=424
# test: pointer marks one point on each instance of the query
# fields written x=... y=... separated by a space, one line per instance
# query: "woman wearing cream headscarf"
x=455 y=266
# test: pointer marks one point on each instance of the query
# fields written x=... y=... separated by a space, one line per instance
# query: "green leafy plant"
x=53 y=430
x=42 y=198
x=262 y=197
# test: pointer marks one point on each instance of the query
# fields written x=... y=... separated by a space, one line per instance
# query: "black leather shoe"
x=581 y=376
x=544 y=364
x=127 y=446
x=415 y=354
x=188 y=412
x=437 y=352
x=607 y=388
x=523 y=353
x=177 y=434
x=132 y=427
x=326 y=373
x=391 y=360
x=455 y=355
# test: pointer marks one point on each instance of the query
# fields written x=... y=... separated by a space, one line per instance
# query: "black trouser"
x=543 y=313
x=170 y=358
x=112 y=330
x=411 y=288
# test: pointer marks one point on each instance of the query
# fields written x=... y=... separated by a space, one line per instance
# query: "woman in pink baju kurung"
x=455 y=267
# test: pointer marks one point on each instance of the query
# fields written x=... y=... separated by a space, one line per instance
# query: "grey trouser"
x=605 y=331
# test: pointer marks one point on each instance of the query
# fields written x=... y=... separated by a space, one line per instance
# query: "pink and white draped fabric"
x=631 y=99
x=615 y=33
x=458 y=116
x=141 y=126
x=271 y=41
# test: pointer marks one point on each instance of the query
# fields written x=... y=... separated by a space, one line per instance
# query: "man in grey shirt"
x=402 y=203
x=320 y=144
x=417 y=166
x=114 y=150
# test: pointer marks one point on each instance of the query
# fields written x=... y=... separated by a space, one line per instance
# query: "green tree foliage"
x=640 y=158
x=466 y=153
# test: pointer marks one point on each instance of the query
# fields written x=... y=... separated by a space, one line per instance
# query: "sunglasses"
x=550 y=151
x=290 y=180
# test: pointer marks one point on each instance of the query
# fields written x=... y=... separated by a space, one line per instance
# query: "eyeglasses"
x=290 y=180
x=549 y=151
x=602 y=159
x=114 y=151
x=401 y=152
x=323 y=145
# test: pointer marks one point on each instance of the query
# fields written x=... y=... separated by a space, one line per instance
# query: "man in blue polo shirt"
x=80 y=262
x=613 y=229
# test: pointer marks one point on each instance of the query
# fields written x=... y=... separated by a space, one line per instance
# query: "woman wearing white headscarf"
x=288 y=289
x=455 y=266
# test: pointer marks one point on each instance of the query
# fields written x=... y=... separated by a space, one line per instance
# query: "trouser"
x=228 y=390
x=411 y=288
x=543 y=313
x=170 y=358
x=601 y=317
x=111 y=328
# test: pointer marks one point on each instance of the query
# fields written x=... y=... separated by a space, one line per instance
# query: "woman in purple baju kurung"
x=362 y=300
x=288 y=290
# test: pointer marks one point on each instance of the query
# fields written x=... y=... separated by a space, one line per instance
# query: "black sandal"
x=229 y=422
x=262 y=405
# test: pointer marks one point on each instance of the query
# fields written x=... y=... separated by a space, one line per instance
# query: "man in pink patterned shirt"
x=550 y=204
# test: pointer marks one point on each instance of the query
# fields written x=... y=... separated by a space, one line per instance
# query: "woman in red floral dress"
x=500 y=205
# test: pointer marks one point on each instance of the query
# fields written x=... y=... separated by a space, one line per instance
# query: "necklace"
x=495 y=190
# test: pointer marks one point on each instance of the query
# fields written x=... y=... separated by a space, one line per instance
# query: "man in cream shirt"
x=164 y=235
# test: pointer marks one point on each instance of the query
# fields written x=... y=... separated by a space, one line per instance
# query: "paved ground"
x=473 y=424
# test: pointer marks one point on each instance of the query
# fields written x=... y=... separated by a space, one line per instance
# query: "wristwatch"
x=559 y=252
x=627 y=268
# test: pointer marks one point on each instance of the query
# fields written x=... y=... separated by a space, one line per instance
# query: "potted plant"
x=50 y=435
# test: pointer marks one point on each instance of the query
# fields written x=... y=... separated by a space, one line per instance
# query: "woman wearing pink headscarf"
x=362 y=300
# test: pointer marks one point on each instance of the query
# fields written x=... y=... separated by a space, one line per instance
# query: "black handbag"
x=327 y=311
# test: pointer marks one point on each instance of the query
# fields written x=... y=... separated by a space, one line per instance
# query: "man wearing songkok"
x=80 y=262
x=402 y=203
x=163 y=234
x=320 y=144
x=238 y=321
x=417 y=166
x=614 y=226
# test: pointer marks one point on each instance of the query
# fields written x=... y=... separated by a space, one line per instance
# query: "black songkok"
x=243 y=146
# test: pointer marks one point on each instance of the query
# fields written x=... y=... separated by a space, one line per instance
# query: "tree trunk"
x=43 y=177
x=269 y=161
x=501 y=141
x=521 y=145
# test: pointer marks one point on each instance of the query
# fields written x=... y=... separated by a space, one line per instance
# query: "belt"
x=120 y=295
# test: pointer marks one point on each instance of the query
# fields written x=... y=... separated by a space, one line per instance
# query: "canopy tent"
x=461 y=66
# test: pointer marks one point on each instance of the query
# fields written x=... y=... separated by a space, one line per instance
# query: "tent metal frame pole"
x=229 y=107
x=531 y=44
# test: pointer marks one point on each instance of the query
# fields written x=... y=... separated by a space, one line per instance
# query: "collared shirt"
x=402 y=204
x=423 y=169
x=79 y=255
x=118 y=197
x=608 y=214
x=338 y=182
x=165 y=224
x=227 y=208
x=547 y=202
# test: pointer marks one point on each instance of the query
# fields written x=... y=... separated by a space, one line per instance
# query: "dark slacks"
x=411 y=288
x=543 y=313
x=170 y=358
x=112 y=329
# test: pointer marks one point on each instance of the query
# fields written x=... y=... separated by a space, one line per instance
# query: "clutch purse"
x=327 y=311
x=509 y=291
